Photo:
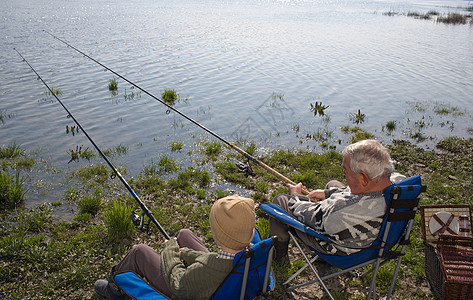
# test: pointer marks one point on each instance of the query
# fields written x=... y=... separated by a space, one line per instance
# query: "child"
x=186 y=269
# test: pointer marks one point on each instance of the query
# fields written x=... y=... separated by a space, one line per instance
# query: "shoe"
x=105 y=290
x=281 y=250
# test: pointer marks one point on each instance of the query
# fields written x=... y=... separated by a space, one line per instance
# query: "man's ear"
x=365 y=179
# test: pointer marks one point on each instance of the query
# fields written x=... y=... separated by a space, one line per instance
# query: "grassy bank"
x=41 y=258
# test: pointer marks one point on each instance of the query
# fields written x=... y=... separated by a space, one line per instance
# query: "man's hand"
x=295 y=189
x=316 y=195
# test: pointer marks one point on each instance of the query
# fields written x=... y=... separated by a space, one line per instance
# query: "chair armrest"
x=278 y=213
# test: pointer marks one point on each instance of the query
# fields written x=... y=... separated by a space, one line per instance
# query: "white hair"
x=370 y=157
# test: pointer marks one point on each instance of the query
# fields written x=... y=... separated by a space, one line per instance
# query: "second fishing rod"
x=236 y=148
x=145 y=210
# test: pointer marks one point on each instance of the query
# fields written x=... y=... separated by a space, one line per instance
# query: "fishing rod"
x=246 y=168
x=137 y=220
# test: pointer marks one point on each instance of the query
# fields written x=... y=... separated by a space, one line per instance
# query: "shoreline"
x=42 y=258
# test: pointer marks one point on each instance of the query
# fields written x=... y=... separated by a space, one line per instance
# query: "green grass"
x=91 y=204
x=12 y=193
x=212 y=150
x=117 y=221
x=113 y=85
x=11 y=151
x=390 y=126
x=170 y=97
x=116 y=150
x=45 y=258
x=176 y=146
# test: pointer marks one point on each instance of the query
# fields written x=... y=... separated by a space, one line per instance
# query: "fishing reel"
x=245 y=168
x=139 y=222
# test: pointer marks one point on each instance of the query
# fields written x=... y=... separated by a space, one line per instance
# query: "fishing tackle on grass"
x=245 y=168
x=137 y=220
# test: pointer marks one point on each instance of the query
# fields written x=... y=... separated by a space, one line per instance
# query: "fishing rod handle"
x=268 y=168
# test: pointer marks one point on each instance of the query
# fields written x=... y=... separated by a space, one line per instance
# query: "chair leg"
x=373 y=280
x=300 y=270
x=311 y=266
x=393 y=280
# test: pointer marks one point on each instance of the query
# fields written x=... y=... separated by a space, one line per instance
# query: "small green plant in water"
x=453 y=18
x=170 y=97
x=118 y=222
x=358 y=118
x=53 y=91
x=73 y=130
x=390 y=126
x=176 y=146
x=113 y=85
x=80 y=153
x=213 y=149
x=10 y=151
x=318 y=108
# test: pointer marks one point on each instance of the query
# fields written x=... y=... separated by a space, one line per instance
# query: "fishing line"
x=246 y=168
x=143 y=225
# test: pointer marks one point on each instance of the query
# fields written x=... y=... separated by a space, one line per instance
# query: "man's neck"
x=376 y=186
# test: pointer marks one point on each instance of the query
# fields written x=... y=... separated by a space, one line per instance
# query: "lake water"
x=249 y=70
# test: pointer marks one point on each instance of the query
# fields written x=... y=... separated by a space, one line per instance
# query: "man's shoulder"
x=396 y=177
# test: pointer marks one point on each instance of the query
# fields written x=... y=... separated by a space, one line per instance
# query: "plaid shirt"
x=225 y=255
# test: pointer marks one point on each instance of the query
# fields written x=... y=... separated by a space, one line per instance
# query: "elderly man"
x=351 y=216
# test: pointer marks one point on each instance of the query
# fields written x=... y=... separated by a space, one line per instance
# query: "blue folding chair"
x=402 y=199
x=251 y=275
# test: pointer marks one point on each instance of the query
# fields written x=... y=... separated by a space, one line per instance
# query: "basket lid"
x=443 y=223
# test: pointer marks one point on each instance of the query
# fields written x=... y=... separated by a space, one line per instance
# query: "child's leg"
x=145 y=262
x=187 y=239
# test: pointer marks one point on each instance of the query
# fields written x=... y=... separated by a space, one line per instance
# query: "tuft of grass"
x=118 y=149
x=263 y=227
x=176 y=146
x=318 y=108
x=418 y=15
x=190 y=178
x=79 y=153
x=361 y=135
x=11 y=191
x=53 y=91
x=11 y=151
x=96 y=173
x=390 y=126
x=453 y=18
x=170 y=97
x=113 y=85
x=91 y=204
x=165 y=165
x=118 y=222
x=441 y=109
x=357 y=118
x=212 y=150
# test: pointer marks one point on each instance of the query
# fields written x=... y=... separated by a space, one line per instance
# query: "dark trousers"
x=146 y=262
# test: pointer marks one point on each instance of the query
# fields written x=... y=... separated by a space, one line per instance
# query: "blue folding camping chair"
x=251 y=275
x=402 y=199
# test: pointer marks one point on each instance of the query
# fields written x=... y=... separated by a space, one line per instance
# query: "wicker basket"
x=448 y=258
